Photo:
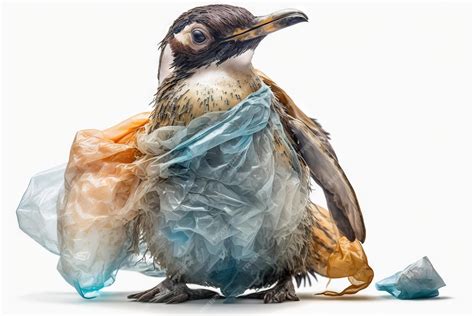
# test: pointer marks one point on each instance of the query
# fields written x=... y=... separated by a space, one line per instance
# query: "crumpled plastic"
x=418 y=280
x=37 y=212
x=82 y=211
x=334 y=256
x=208 y=173
x=228 y=201
x=98 y=204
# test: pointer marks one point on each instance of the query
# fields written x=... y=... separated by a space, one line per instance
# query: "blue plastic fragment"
x=418 y=280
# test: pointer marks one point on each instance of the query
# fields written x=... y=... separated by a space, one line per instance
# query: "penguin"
x=250 y=226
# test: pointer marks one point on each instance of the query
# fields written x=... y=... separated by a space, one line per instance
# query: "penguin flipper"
x=311 y=141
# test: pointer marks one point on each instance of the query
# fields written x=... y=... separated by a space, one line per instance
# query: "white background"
x=390 y=81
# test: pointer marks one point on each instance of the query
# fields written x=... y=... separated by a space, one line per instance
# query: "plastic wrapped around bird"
x=173 y=183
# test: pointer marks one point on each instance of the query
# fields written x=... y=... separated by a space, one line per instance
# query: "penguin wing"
x=311 y=141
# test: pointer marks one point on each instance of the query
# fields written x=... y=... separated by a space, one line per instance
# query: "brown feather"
x=312 y=143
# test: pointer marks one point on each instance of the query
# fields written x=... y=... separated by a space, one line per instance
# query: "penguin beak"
x=265 y=25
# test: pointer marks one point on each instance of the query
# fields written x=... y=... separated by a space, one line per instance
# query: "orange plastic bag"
x=334 y=256
x=99 y=202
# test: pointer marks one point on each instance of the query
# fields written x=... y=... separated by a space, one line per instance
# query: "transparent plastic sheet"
x=210 y=171
x=37 y=212
x=228 y=199
x=418 y=280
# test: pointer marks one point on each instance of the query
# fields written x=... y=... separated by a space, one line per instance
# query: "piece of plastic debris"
x=418 y=280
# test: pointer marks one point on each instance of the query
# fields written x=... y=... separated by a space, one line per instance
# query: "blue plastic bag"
x=418 y=280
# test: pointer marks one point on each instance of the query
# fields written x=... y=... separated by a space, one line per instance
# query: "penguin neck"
x=181 y=97
x=235 y=74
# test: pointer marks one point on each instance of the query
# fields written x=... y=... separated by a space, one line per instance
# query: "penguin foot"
x=281 y=292
x=172 y=292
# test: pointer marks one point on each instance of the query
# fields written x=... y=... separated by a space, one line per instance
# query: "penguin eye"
x=198 y=36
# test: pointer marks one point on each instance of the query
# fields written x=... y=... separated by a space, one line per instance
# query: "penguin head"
x=213 y=34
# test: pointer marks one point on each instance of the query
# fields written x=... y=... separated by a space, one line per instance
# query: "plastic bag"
x=334 y=256
x=82 y=211
x=418 y=280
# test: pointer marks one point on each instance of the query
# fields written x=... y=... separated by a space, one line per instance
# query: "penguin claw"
x=281 y=292
x=171 y=292
x=145 y=296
